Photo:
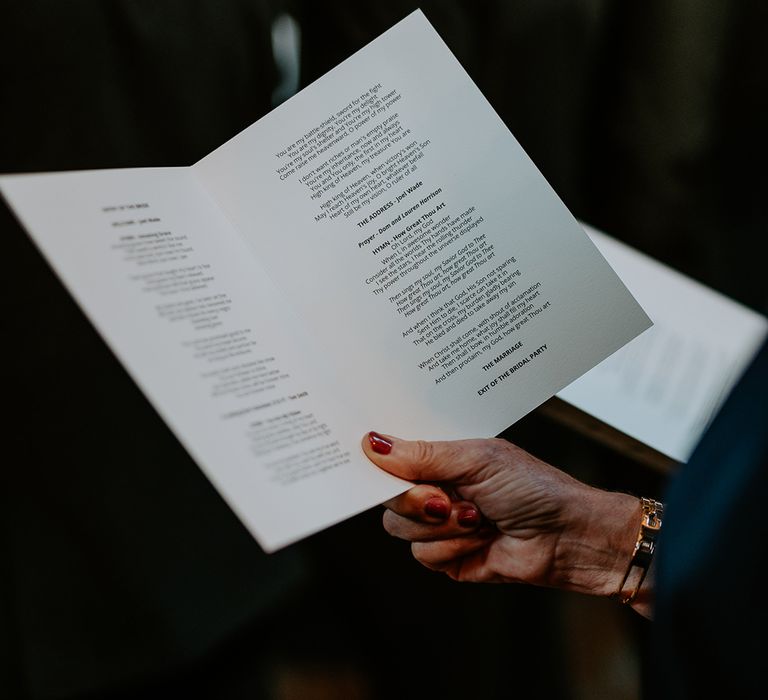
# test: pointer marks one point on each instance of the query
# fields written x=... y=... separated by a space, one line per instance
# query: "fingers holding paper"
x=486 y=510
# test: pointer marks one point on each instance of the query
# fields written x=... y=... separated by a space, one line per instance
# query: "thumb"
x=419 y=460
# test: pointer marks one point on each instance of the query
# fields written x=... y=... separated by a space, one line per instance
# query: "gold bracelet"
x=644 y=549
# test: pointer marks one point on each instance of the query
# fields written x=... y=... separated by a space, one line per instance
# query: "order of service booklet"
x=376 y=253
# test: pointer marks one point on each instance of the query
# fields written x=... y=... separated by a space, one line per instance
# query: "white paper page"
x=438 y=270
x=179 y=298
x=664 y=387
x=271 y=346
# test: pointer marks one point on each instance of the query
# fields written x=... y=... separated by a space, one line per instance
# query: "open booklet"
x=376 y=253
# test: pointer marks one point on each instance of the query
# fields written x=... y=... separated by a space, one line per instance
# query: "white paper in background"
x=254 y=315
x=664 y=387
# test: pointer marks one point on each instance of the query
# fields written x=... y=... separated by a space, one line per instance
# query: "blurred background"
x=122 y=573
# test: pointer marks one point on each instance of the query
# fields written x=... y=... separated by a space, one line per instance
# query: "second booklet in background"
x=376 y=253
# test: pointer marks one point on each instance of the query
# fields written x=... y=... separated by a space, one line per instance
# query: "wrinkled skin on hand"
x=485 y=510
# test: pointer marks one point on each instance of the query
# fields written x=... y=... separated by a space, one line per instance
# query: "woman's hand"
x=489 y=511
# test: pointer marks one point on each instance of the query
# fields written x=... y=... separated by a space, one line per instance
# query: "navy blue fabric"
x=711 y=611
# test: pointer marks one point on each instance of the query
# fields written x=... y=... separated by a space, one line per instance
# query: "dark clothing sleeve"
x=711 y=610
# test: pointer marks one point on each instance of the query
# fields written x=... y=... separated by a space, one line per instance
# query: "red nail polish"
x=379 y=443
x=437 y=508
x=468 y=517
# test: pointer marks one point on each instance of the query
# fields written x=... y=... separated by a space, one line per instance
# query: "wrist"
x=596 y=546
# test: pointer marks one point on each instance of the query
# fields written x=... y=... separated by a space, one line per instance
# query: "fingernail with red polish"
x=437 y=508
x=379 y=443
x=468 y=517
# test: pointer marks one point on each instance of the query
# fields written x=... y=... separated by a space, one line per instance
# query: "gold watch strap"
x=650 y=525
